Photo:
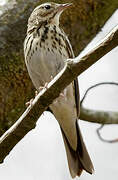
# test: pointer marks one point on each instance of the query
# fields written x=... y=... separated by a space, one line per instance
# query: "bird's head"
x=47 y=12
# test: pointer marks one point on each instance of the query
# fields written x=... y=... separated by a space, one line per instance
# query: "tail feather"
x=74 y=164
x=83 y=153
x=77 y=160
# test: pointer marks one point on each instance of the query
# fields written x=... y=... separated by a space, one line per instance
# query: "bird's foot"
x=62 y=95
x=31 y=100
x=44 y=87
x=29 y=103
x=36 y=93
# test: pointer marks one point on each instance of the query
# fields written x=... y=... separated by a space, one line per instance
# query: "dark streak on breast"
x=27 y=43
x=30 y=47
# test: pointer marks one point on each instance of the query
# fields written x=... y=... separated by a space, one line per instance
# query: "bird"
x=46 y=49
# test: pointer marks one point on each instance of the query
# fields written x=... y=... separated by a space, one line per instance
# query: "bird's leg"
x=63 y=94
x=52 y=77
x=44 y=87
x=31 y=100
x=46 y=84
x=36 y=93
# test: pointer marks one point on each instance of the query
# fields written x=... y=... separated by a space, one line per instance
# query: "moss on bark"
x=81 y=23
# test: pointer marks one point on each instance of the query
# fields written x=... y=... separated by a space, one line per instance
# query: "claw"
x=44 y=87
x=55 y=101
x=36 y=93
x=31 y=100
x=51 y=77
x=29 y=103
x=62 y=95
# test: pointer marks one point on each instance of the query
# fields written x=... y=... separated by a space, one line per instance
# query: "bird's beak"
x=62 y=7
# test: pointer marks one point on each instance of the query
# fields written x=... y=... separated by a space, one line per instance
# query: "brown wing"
x=75 y=82
x=77 y=160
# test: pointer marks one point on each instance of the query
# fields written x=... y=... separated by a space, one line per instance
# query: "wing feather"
x=75 y=82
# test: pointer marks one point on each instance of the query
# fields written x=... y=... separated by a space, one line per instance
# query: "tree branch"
x=15 y=85
x=95 y=116
x=94 y=86
x=102 y=139
x=102 y=117
x=72 y=69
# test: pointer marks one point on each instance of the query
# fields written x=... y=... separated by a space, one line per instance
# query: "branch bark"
x=72 y=69
x=101 y=117
x=105 y=140
x=80 y=23
x=95 y=116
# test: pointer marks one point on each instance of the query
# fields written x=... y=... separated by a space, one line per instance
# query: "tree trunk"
x=81 y=23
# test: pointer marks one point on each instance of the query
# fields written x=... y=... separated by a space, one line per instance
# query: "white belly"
x=46 y=62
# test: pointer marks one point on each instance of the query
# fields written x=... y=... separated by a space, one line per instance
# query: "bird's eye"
x=47 y=7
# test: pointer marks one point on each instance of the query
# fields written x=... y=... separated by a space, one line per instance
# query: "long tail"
x=78 y=160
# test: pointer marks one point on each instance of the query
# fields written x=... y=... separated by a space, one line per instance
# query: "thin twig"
x=100 y=128
x=96 y=116
x=94 y=86
x=102 y=139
